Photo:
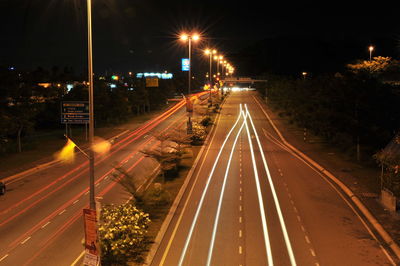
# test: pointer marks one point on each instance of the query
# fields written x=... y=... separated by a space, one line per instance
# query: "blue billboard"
x=185 y=64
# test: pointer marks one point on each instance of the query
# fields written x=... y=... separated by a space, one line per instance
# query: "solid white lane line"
x=274 y=194
x=260 y=199
x=221 y=196
x=183 y=254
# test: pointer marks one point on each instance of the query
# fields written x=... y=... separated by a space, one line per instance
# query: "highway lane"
x=307 y=222
x=334 y=231
x=50 y=217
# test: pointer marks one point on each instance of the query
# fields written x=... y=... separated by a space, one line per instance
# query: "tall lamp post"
x=210 y=53
x=91 y=109
x=189 y=38
x=370 y=48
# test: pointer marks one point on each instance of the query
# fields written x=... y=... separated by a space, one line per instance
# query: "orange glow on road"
x=101 y=146
x=67 y=154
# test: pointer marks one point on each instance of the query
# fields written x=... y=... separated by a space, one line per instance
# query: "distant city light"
x=114 y=77
x=69 y=87
x=152 y=74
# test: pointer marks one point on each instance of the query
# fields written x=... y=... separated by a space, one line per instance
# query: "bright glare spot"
x=67 y=154
x=184 y=37
x=101 y=146
x=196 y=37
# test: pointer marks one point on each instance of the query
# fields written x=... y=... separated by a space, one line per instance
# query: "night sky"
x=140 y=36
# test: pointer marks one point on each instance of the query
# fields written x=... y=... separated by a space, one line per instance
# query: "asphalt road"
x=41 y=214
x=251 y=201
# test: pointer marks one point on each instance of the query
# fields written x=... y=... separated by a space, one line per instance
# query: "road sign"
x=75 y=112
x=151 y=81
x=185 y=64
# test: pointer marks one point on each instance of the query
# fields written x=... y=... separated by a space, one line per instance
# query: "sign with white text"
x=185 y=64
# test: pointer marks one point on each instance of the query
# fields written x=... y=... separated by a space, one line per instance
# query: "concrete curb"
x=174 y=206
x=368 y=215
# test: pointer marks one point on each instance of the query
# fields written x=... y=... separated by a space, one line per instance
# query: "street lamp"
x=210 y=53
x=189 y=38
x=92 y=202
x=370 y=48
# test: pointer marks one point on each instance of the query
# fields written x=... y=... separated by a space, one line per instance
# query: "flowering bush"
x=122 y=233
x=199 y=133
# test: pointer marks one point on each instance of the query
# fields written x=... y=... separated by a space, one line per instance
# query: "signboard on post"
x=189 y=105
x=75 y=112
x=151 y=81
x=185 y=64
x=91 y=252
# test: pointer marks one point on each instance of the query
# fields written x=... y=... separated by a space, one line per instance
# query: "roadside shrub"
x=206 y=121
x=122 y=233
x=157 y=196
x=198 y=134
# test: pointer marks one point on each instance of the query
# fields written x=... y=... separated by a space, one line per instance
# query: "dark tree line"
x=343 y=109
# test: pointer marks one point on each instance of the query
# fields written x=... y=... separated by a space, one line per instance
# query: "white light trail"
x=221 y=196
x=260 y=198
x=276 y=201
x=183 y=254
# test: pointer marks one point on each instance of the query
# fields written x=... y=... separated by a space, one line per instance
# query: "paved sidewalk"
x=362 y=180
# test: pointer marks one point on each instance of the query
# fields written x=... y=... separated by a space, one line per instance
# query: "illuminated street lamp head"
x=370 y=48
x=195 y=37
x=184 y=37
x=207 y=51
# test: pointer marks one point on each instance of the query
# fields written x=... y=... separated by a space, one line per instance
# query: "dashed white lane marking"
x=5 y=256
x=240 y=207
x=75 y=202
x=46 y=224
x=240 y=219
x=87 y=192
x=307 y=239
x=240 y=233
x=240 y=249
x=62 y=212
x=98 y=184
x=312 y=252
x=240 y=198
x=26 y=240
